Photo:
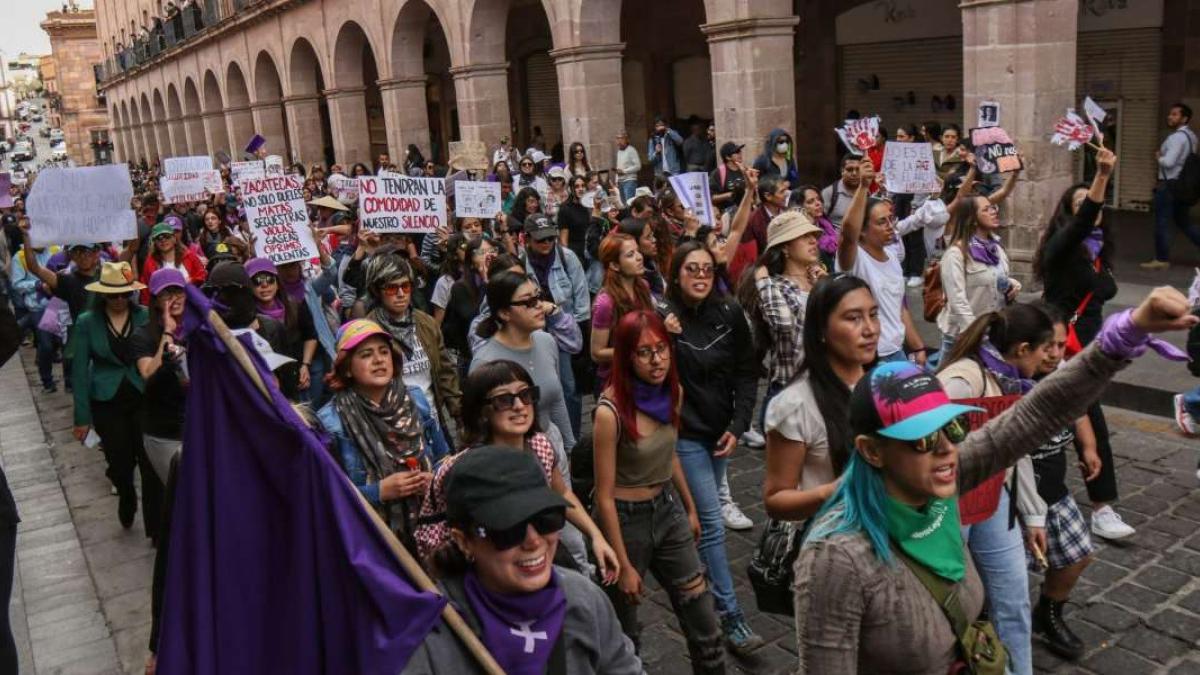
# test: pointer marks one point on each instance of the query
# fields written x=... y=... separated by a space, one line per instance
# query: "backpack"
x=932 y=293
x=1186 y=187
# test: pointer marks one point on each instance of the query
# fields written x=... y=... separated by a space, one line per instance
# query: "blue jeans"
x=46 y=344
x=315 y=395
x=570 y=392
x=1168 y=211
x=628 y=188
x=703 y=471
x=999 y=554
x=1191 y=402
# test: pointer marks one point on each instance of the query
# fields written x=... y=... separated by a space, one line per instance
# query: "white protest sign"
x=86 y=205
x=186 y=164
x=273 y=165
x=344 y=188
x=693 y=191
x=908 y=168
x=1096 y=114
x=476 y=199
x=191 y=186
x=277 y=216
x=401 y=204
x=240 y=171
x=989 y=114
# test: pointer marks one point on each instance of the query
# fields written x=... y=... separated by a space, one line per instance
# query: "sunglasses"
x=956 y=431
x=526 y=163
x=699 y=270
x=546 y=522
x=164 y=237
x=660 y=351
x=264 y=280
x=391 y=290
x=531 y=302
x=502 y=402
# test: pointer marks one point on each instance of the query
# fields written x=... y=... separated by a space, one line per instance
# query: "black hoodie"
x=717 y=369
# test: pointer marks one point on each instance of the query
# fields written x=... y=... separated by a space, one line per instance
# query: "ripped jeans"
x=657 y=538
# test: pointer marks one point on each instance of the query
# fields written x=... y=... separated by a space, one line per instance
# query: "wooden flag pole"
x=411 y=567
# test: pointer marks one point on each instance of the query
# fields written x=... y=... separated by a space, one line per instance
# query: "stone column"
x=348 y=121
x=1021 y=53
x=176 y=137
x=303 y=113
x=148 y=143
x=240 y=122
x=817 y=110
x=405 y=114
x=162 y=138
x=193 y=132
x=591 y=98
x=215 y=133
x=482 y=93
x=117 y=136
x=268 y=123
x=752 y=92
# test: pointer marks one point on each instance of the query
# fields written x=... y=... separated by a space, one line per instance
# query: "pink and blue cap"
x=902 y=400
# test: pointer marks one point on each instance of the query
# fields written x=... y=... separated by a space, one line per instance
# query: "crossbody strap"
x=943 y=592
x=1086 y=299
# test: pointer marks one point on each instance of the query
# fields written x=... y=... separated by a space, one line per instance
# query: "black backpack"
x=1186 y=187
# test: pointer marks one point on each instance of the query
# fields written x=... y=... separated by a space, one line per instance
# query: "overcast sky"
x=19 y=31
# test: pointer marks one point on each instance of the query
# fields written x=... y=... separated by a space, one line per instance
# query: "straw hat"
x=115 y=278
x=329 y=203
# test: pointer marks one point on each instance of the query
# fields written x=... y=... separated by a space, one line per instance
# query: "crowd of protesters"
x=452 y=373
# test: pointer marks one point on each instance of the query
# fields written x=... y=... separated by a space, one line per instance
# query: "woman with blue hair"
x=883 y=581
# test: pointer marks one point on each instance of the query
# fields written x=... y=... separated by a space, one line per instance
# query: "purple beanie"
x=174 y=221
x=166 y=278
x=259 y=265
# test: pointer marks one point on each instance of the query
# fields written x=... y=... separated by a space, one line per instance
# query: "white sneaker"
x=753 y=439
x=1108 y=524
x=734 y=518
x=914 y=282
x=1187 y=423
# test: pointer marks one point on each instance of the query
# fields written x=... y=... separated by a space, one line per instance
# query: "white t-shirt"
x=418 y=372
x=793 y=413
x=441 y=291
x=886 y=280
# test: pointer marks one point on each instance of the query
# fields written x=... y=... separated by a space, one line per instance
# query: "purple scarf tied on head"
x=653 y=400
x=1094 y=243
x=986 y=251
x=275 y=310
x=519 y=630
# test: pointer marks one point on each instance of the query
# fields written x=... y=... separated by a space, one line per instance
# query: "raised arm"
x=32 y=264
x=1069 y=238
x=741 y=217
x=856 y=212
x=1010 y=181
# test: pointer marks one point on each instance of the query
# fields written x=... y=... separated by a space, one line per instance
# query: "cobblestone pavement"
x=82 y=604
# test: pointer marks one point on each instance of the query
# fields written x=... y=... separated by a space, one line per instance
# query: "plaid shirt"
x=782 y=304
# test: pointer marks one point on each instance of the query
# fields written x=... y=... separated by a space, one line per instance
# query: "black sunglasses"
x=956 y=431
x=546 y=522
x=529 y=303
x=506 y=401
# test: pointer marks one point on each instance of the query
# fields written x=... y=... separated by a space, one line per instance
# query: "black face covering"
x=236 y=306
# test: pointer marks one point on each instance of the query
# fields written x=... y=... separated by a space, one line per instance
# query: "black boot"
x=1048 y=624
x=127 y=506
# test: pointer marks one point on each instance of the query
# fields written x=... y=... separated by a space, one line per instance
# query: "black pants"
x=8 y=554
x=1104 y=488
x=118 y=423
x=914 y=253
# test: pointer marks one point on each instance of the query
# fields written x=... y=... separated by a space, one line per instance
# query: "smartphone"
x=604 y=177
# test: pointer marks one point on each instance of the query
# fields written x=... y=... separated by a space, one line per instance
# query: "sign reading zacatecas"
x=278 y=219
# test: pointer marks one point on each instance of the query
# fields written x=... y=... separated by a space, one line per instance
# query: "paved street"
x=82 y=604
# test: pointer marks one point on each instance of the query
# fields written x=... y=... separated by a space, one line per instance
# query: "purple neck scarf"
x=829 y=236
x=1094 y=243
x=653 y=400
x=986 y=251
x=294 y=289
x=1006 y=374
x=519 y=630
x=275 y=310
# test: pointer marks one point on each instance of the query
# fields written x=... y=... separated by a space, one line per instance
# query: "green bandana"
x=931 y=537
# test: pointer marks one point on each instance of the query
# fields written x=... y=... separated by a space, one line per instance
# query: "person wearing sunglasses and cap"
x=167 y=253
x=385 y=433
x=888 y=539
x=532 y=616
x=161 y=359
x=299 y=333
x=108 y=389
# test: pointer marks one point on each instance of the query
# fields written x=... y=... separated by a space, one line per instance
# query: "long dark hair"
x=831 y=393
x=519 y=214
x=571 y=158
x=501 y=287
x=674 y=292
x=476 y=411
x=1063 y=217
x=964 y=222
x=1004 y=329
x=451 y=266
x=469 y=277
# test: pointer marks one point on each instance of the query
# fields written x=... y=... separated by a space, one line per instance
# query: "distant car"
x=59 y=153
x=22 y=152
x=37 y=117
x=44 y=132
x=56 y=135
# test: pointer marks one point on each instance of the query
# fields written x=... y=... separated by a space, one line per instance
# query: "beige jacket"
x=971 y=289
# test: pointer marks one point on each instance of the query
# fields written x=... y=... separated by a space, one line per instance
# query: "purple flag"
x=6 y=200
x=274 y=565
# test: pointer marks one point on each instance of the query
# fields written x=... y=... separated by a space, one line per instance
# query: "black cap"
x=539 y=226
x=729 y=149
x=228 y=274
x=498 y=487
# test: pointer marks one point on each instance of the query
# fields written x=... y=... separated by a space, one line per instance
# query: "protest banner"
x=468 y=155
x=1072 y=131
x=240 y=171
x=6 y=200
x=995 y=151
x=85 y=205
x=278 y=218
x=343 y=188
x=859 y=135
x=186 y=164
x=401 y=204
x=273 y=165
x=191 y=186
x=989 y=114
x=693 y=191
x=476 y=199
x=908 y=168
x=19 y=178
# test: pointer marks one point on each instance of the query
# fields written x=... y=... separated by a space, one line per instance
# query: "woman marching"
x=625 y=290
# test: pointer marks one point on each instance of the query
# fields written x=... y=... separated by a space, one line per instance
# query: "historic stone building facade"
x=78 y=108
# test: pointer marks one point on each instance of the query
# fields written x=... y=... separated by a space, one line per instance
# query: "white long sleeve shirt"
x=1174 y=151
x=628 y=164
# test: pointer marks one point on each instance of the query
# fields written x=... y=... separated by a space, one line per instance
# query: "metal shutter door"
x=927 y=68
x=541 y=97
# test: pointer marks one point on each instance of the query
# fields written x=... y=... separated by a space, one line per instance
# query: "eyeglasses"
x=956 y=431
x=526 y=163
x=391 y=290
x=164 y=237
x=991 y=208
x=531 y=302
x=660 y=351
x=546 y=522
x=507 y=401
x=264 y=279
x=699 y=270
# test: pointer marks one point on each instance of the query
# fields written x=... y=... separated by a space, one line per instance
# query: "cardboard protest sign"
x=401 y=204
x=476 y=199
x=191 y=186
x=908 y=168
x=468 y=155
x=989 y=114
x=85 y=205
x=1070 y=130
x=6 y=200
x=995 y=151
x=859 y=135
x=1096 y=115
x=186 y=164
x=278 y=218
x=273 y=165
x=343 y=188
x=693 y=191
x=240 y=171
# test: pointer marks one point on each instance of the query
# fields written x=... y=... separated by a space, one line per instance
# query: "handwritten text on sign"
x=908 y=168
x=401 y=204
x=86 y=205
x=191 y=186
x=277 y=216
x=995 y=151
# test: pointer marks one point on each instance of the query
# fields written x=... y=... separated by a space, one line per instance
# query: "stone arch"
x=152 y=152
x=307 y=109
x=269 y=114
x=533 y=86
x=135 y=132
x=355 y=102
x=237 y=108
x=420 y=100
x=162 y=135
x=193 y=123
x=175 y=124
x=214 y=115
x=485 y=44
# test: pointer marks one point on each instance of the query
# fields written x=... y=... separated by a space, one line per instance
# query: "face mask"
x=781 y=147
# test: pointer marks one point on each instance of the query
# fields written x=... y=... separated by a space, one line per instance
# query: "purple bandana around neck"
x=1007 y=374
x=294 y=289
x=829 y=236
x=1094 y=243
x=653 y=400
x=519 y=630
x=986 y=251
x=275 y=310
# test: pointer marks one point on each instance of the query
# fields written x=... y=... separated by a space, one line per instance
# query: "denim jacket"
x=568 y=284
x=671 y=159
x=315 y=292
x=348 y=455
x=25 y=295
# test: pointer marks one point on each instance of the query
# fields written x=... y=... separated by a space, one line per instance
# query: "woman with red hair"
x=624 y=290
x=642 y=501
